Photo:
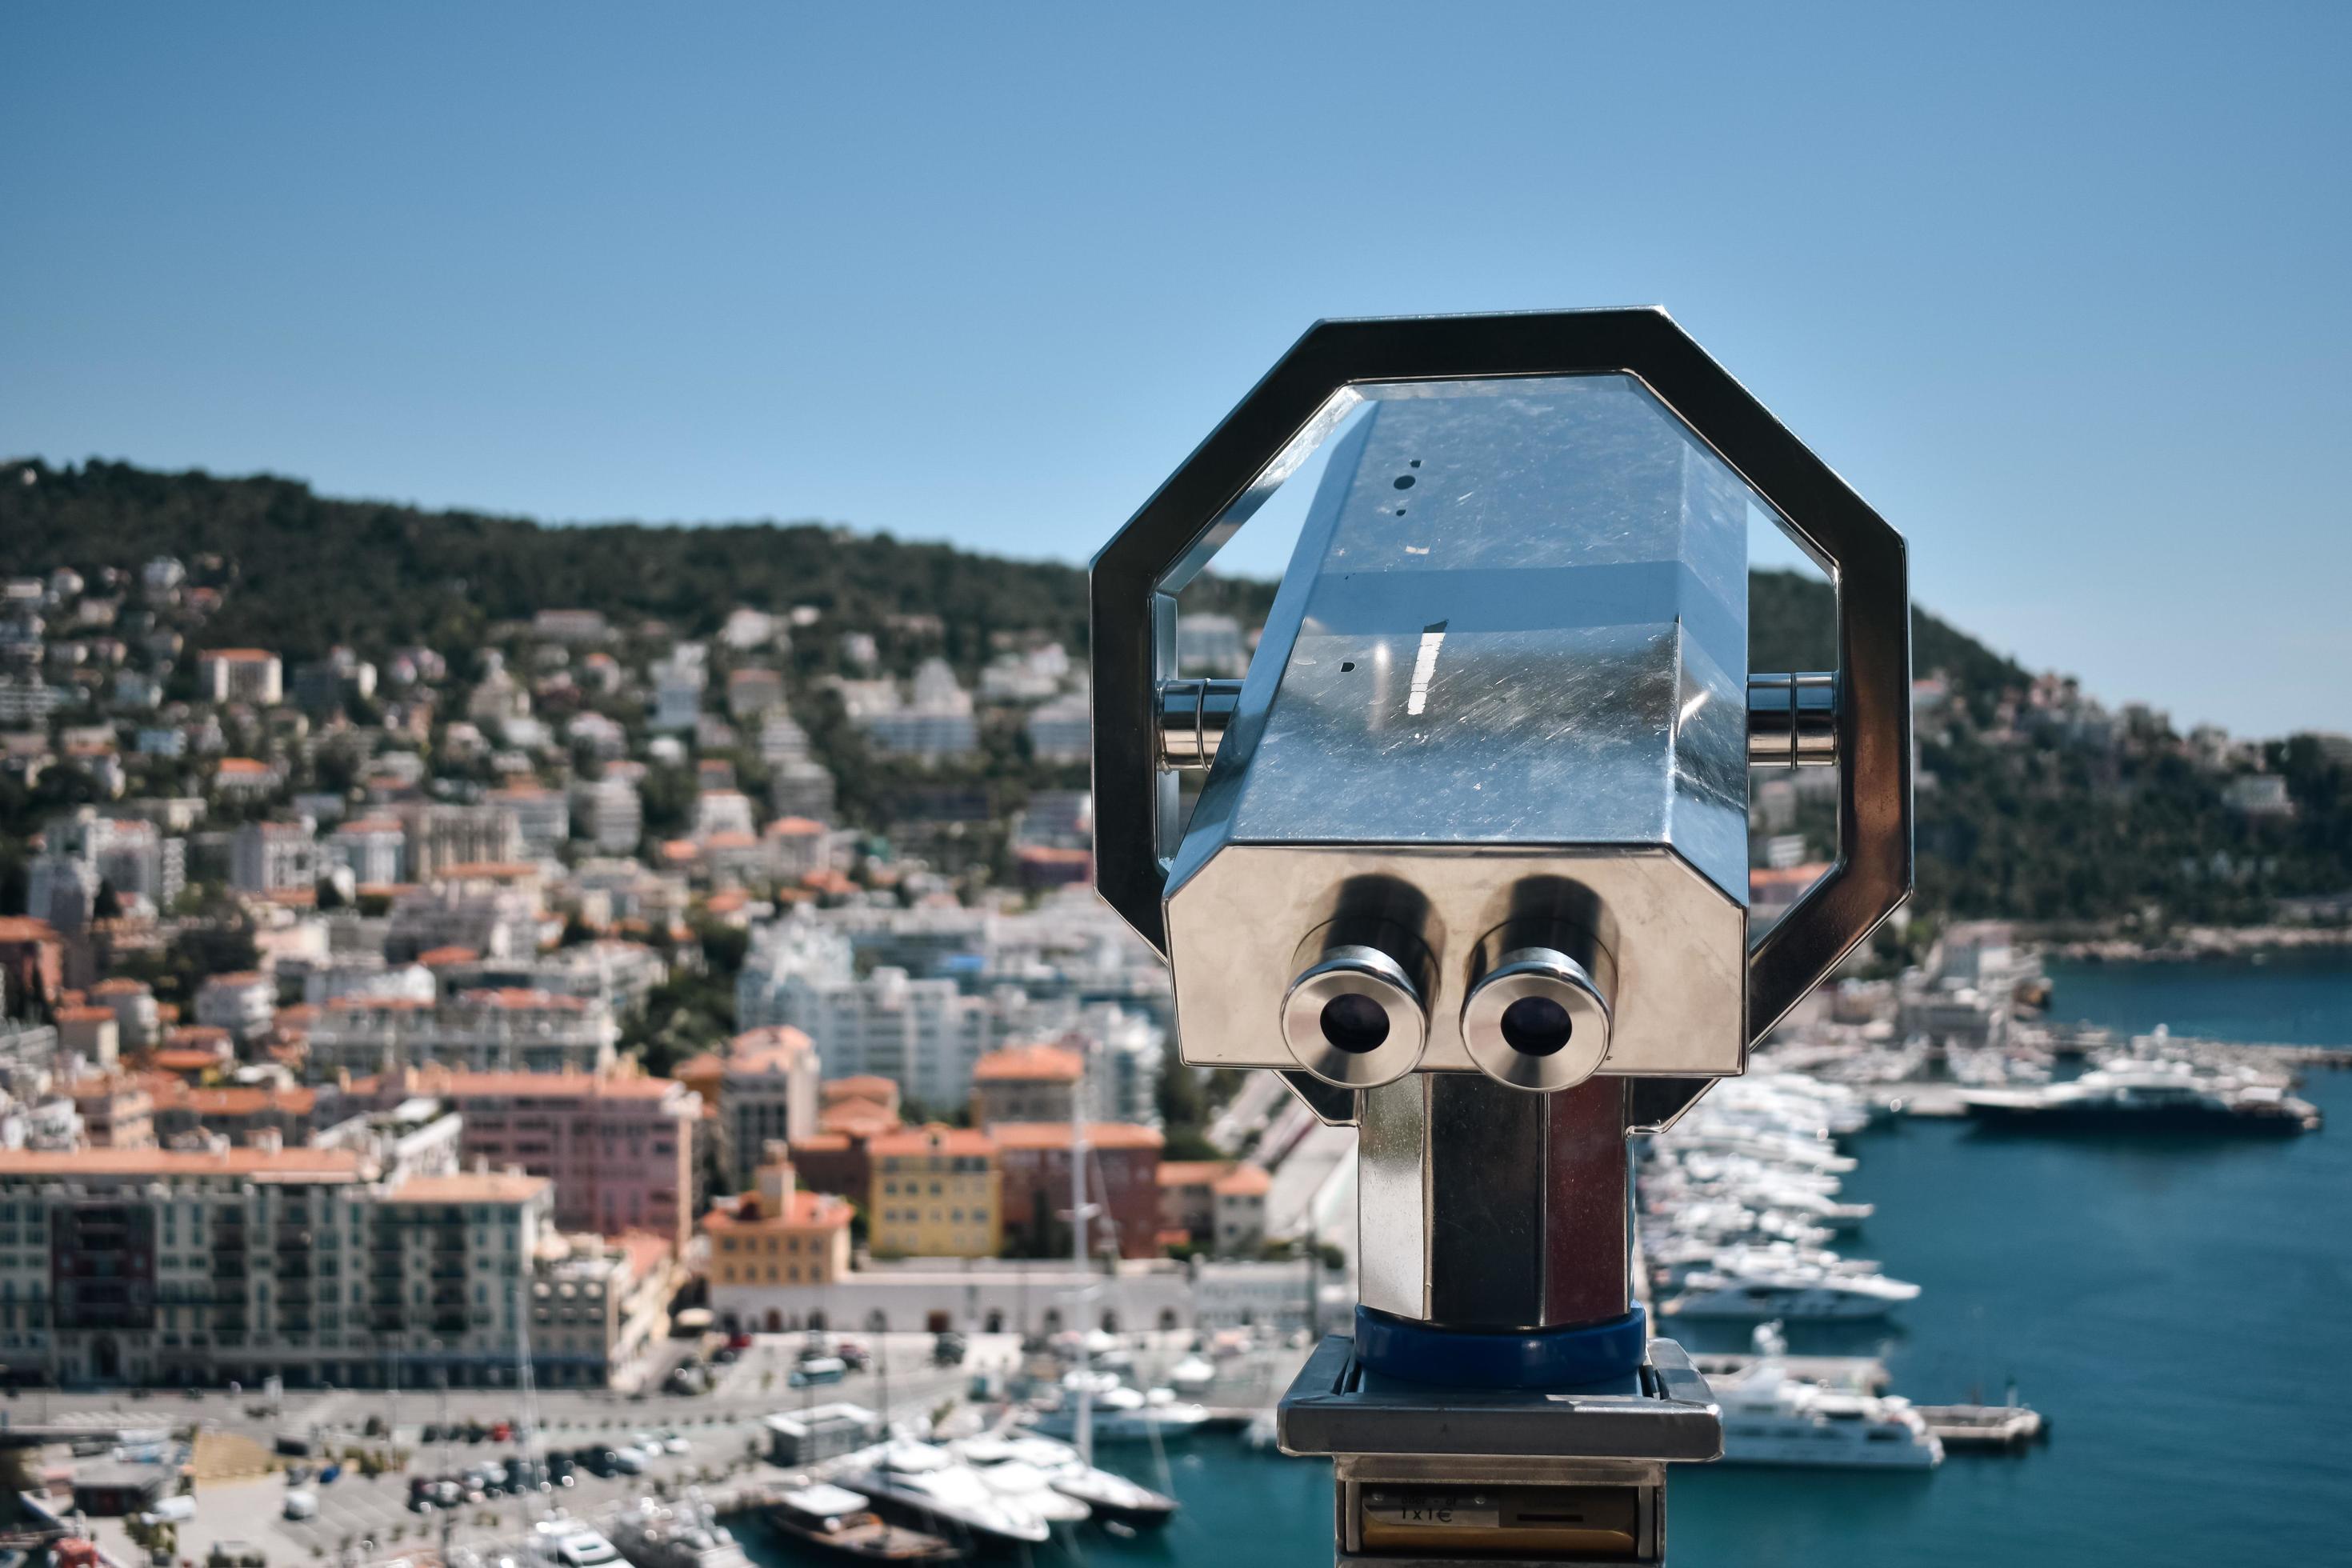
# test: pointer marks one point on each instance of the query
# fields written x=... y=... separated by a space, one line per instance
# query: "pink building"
x=619 y=1149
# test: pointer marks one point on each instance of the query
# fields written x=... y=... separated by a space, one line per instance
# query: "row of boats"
x=2126 y=1093
x=1740 y=1203
x=903 y=1501
x=1740 y=1200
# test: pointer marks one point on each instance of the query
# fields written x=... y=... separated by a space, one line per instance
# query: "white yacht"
x=1009 y=1475
x=1122 y=1414
x=2125 y=1096
x=681 y=1534
x=1797 y=1294
x=1771 y=1418
x=1112 y=1497
x=931 y=1483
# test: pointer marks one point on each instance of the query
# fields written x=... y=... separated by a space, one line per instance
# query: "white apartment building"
x=477 y=1031
x=923 y=1035
x=802 y=789
x=617 y=975
x=371 y=848
x=130 y=854
x=365 y=974
x=543 y=816
x=781 y=740
x=1063 y=730
x=440 y=836
x=240 y=675
x=274 y=857
x=244 y=1004
x=148 y=1266
x=678 y=681
x=495 y=921
x=610 y=814
x=936 y=721
x=598 y=1307
x=722 y=811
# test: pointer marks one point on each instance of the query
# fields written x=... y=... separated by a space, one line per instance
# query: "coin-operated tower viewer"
x=1468 y=863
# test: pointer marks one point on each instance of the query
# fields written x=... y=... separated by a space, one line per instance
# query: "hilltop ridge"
x=2036 y=802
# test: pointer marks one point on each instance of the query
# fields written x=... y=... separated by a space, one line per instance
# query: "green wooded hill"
x=2021 y=821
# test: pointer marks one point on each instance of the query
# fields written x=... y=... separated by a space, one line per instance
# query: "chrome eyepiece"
x=1537 y=1020
x=1355 y=1019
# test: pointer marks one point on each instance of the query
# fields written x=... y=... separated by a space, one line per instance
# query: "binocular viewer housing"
x=1469 y=865
x=1480 y=804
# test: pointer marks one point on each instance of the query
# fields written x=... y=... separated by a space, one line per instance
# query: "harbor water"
x=2177 y=1306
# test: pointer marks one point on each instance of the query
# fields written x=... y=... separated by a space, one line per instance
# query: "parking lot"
x=363 y=1519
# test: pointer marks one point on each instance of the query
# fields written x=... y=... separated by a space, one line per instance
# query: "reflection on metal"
x=1792 y=720
x=1193 y=715
x=1482 y=1208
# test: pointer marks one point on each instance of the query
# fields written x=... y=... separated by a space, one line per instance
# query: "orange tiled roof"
x=934 y=1139
x=1056 y=1135
x=822 y=1143
x=84 y=1014
x=806 y=1211
x=470 y=1187
x=1048 y=1064
x=1244 y=1180
x=24 y=927
x=857 y=1086
x=238 y=655
x=1192 y=1172
x=181 y=1163
x=516 y=998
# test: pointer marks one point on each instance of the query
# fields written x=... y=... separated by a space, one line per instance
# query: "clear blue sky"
x=2062 y=290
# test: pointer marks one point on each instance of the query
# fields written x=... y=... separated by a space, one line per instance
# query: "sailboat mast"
x=1083 y=1428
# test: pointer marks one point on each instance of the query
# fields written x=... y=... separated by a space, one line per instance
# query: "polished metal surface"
x=1482 y=1208
x=1792 y=720
x=1680 y=940
x=1194 y=716
x=1309 y=394
x=1354 y=1017
x=1521 y=630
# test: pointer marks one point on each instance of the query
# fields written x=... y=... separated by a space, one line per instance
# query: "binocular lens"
x=1354 y=1018
x=1354 y=1023
x=1536 y=1020
x=1537 y=1026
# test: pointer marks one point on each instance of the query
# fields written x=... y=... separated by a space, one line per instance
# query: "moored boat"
x=835 y=1520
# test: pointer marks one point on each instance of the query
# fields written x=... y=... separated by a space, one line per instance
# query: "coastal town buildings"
x=476 y=1031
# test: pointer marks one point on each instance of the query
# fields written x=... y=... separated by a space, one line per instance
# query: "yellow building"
x=937 y=1192
x=776 y=1235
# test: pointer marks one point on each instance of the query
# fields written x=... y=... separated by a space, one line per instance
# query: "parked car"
x=629 y=1461
x=824 y=1369
x=948 y=1348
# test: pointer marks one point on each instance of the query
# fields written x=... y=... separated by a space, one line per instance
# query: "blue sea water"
x=2181 y=1309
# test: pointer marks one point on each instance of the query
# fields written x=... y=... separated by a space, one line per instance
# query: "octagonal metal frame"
x=1135 y=578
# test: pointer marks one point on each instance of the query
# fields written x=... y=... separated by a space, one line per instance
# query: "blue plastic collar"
x=1544 y=1358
